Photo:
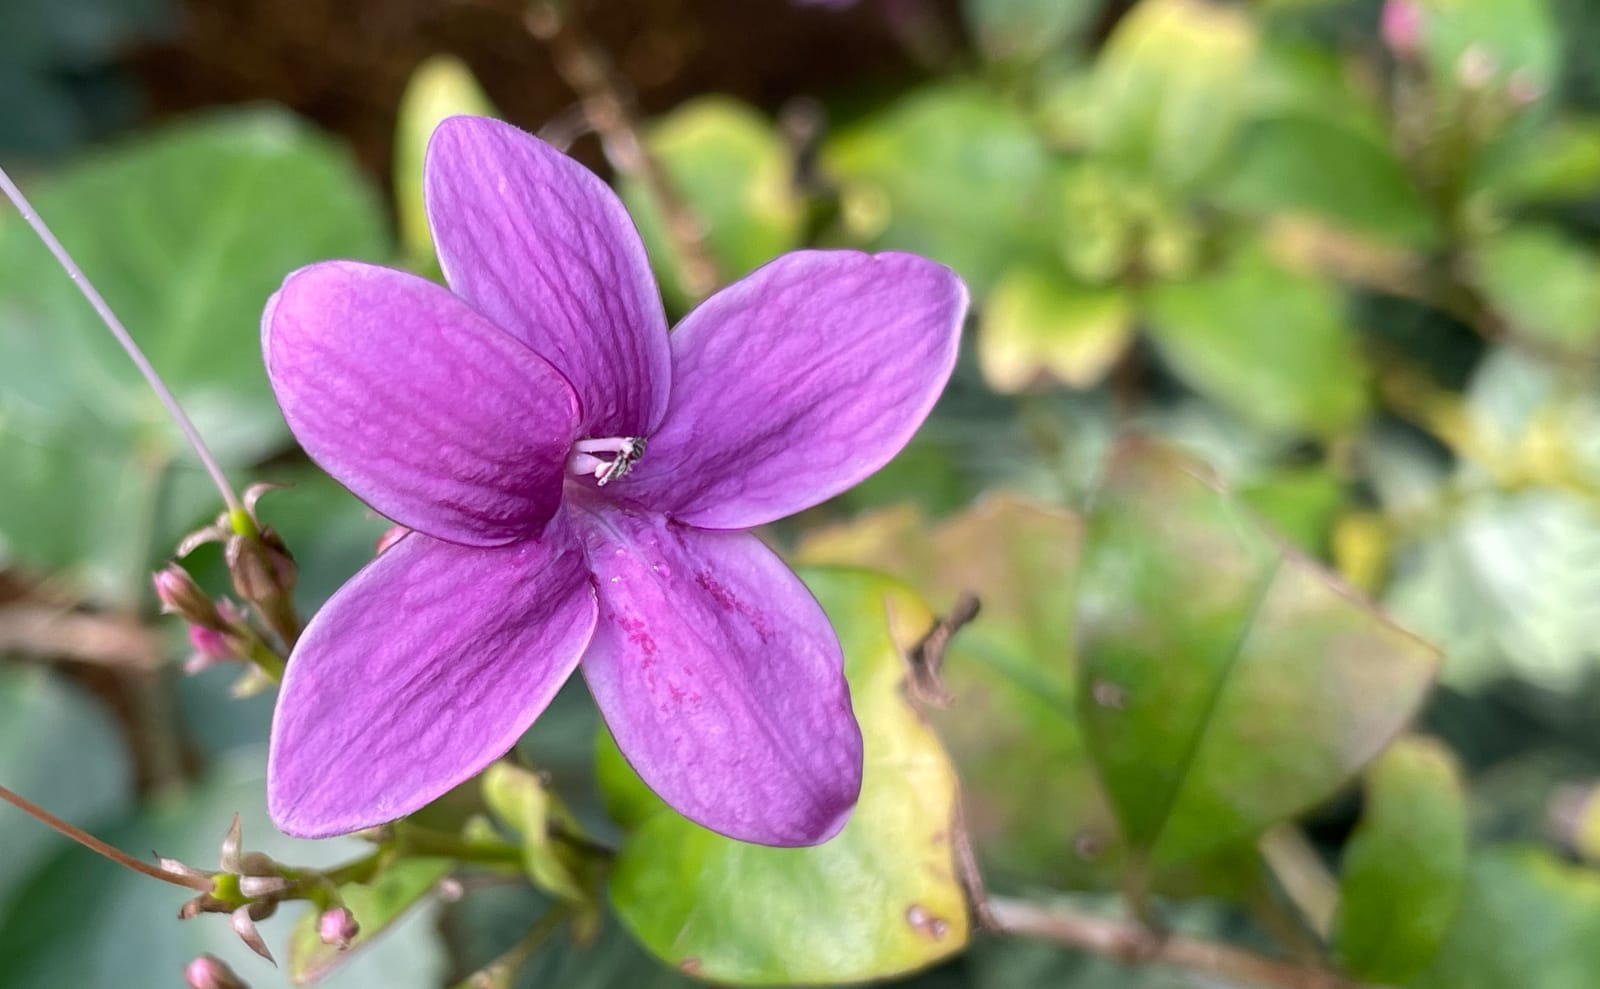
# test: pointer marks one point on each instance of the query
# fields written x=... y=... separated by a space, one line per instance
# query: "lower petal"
x=427 y=666
x=721 y=679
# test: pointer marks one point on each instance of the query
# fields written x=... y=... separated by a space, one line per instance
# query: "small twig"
x=99 y=847
x=926 y=659
x=89 y=292
x=47 y=631
x=1130 y=943
x=585 y=67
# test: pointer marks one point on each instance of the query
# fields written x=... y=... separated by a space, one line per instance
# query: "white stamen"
x=627 y=450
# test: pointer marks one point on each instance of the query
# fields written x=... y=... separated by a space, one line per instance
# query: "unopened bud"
x=211 y=972
x=261 y=566
x=210 y=648
x=1401 y=26
x=338 y=926
x=1476 y=67
x=1522 y=88
x=180 y=595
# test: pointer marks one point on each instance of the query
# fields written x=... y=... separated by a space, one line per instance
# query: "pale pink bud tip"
x=338 y=926
x=1402 y=27
x=391 y=536
x=210 y=643
x=180 y=595
x=211 y=972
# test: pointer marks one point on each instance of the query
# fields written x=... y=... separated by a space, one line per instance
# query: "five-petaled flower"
x=578 y=482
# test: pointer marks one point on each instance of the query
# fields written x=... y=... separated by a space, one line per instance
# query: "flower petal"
x=422 y=670
x=796 y=382
x=432 y=415
x=721 y=679
x=540 y=245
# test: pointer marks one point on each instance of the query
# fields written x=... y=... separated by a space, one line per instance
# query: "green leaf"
x=879 y=899
x=61 y=750
x=1025 y=30
x=1173 y=117
x=1033 y=807
x=1039 y=325
x=1559 y=163
x=1404 y=867
x=1544 y=283
x=1307 y=165
x=1269 y=344
x=376 y=906
x=440 y=87
x=733 y=172
x=1515 y=37
x=1226 y=683
x=186 y=233
x=1527 y=920
x=953 y=172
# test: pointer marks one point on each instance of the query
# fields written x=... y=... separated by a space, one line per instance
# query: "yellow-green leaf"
x=1040 y=325
x=880 y=899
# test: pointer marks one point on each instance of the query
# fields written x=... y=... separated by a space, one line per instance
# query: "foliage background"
x=1357 y=276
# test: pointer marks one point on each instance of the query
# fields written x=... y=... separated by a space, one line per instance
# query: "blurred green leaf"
x=1025 y=30
x=376 y=906
x=1173 y=116
x=86 y=923
x=1546 y=284
x=1299 y=503
x=186 y=233
x=440 y=87
x=1527 y=920
x=880 y=899
x=1400 y=885
x=1307 y=165
x=1225 y=683
x=1270 y=344
x=734 y=173
x=1032 y=804
x=1040 y=325
x=61 y=750
x=1560 y=162
x=954 y=172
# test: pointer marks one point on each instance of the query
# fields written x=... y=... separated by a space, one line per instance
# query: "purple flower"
x=577 y=482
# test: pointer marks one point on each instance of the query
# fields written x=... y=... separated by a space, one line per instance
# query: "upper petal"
x=796 y=382
x=721 y=679
x=428 y=412
x=540 y=245
x=423 y=669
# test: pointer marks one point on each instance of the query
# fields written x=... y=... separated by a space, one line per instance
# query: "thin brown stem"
x=1131 y=943
x=610 y=112
x=94 y=844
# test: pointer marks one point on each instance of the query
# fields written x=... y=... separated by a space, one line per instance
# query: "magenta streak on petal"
x=429 y=413
x=420 y=671
x=720 y=678
x=796 y=383
x=537 y=243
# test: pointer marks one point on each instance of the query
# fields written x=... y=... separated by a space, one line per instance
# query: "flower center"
x=588 y=457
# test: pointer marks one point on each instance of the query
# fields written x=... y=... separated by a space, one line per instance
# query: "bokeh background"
x=1345 y=253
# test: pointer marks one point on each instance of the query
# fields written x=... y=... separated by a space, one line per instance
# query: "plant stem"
x=94 y=844
x=1130 y=943
x=122 y=336
x=590 y=74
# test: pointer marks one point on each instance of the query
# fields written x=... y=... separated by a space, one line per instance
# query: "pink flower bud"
x=1402 y=27
x=210 y=648
x=338 y=926
x=390 y=536
x=180 y=595
x=211 y=972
